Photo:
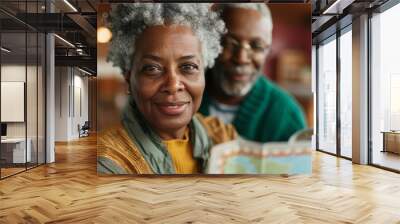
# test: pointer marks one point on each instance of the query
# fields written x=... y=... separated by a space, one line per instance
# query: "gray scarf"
x=151 y=145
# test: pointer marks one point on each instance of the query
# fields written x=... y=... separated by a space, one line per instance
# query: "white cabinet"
x=16 y=150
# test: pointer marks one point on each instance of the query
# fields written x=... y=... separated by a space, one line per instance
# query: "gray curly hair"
x=128 y=21
x=262 y=8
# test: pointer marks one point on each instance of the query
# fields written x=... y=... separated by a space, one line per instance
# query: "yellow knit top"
x=182 y=155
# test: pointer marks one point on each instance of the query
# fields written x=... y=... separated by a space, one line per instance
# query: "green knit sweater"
x=267 y=113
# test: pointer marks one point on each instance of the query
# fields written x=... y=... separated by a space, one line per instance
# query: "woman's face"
x=167 y=78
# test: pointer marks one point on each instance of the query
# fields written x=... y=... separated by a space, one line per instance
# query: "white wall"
x=61 y=103
x=16 y=73
x=80 y=111
x=71 y=93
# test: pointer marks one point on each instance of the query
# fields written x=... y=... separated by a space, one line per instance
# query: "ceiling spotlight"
x=84 y=71
x=5 y=49
x=70 y=5
x=103 y=35
x=65 y=41
x=337 y=7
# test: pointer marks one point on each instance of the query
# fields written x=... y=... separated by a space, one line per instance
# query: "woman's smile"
x=172 y=108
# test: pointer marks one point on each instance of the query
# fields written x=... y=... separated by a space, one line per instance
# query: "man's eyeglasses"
x=254 y=47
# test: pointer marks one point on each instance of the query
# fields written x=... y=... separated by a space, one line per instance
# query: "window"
x=22 y=78
x=327 y=96
x=346 y=93
x=385 y=88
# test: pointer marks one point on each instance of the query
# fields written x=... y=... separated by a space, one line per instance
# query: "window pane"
x=327 y=96
x=31 y=97
x=386 y=88
x=346 y=94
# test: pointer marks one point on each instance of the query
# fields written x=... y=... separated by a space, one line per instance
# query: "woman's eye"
x=151 y=69
x=190 y=68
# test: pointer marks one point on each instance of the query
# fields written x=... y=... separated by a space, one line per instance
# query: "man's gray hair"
x=262 y=8
x=128 y=21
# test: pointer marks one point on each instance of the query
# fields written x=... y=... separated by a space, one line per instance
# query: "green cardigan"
x=268 y=113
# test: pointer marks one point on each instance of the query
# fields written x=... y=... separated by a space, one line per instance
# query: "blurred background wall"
x=289 y=61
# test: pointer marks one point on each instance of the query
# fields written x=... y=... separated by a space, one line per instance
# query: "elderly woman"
x=163 y=50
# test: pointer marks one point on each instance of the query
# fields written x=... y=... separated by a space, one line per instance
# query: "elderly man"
x=237 y=92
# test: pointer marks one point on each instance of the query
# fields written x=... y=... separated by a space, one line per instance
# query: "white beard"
x=236 y=89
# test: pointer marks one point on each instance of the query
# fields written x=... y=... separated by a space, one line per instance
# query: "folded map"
x=246 y=157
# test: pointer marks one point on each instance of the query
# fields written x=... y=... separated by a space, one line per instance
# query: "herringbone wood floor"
x=69 y=191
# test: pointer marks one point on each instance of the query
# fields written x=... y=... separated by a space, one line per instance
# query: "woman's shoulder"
x=116 y=151
x=217 y=130
x=112 y=136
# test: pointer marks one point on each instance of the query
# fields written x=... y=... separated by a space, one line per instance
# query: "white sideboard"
x=17 y=145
